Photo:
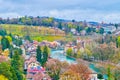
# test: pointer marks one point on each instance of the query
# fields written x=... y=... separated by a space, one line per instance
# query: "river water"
x=59 y=54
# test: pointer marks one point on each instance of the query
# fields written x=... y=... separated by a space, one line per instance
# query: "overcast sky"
x=90 y=10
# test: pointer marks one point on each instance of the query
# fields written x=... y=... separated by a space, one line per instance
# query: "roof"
x=31 y=59
x=29 y=76
x=38 y=76
x=36 y=69
x=3 y=58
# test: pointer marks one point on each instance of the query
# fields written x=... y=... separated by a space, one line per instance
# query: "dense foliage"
x=66 y=25
x=42 y=55
x=5 y=43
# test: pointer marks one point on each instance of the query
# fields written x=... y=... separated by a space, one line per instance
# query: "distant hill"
x=35 y=32
x=65 y=25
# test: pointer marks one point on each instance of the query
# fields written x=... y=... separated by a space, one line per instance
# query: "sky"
x=79 y=10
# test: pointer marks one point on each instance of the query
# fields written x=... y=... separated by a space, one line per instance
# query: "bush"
x=69 y=52
x=100 y=76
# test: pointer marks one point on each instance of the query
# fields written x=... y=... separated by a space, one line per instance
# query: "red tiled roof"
x=3 y=58
x=31 y=59
x=29 y=76
x=36 y=69
x=38 y=76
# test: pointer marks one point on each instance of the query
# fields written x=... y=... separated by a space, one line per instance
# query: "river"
x=59 y=54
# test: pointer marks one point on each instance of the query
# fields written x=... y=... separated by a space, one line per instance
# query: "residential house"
x=73 y=30
x=109 y=29
x=38 y=76
x=74 y=48
x=3 y=58
x=34 y=70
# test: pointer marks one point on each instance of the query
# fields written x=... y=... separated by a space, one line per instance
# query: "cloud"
x=92 y=10
x=80 y=15
x=10 y=15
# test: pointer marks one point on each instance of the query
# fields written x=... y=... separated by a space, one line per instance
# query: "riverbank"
x=58 y=54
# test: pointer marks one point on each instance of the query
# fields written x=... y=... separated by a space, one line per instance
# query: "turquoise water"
x=58 y=54
x=92 y=66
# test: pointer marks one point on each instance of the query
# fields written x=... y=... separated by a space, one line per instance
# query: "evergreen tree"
x=17 y=42
x=19 y=75
x=5 y=70
x=16 y=64
x=88 y=30
x=3 y=32
x=11 y=50
x=118 y=42
x=45 y=54
x=5 y=43
x=60 y=25
x=39 y=54
x=116 y=26
x=109 y=74
x=101 y=31
x=14 y=76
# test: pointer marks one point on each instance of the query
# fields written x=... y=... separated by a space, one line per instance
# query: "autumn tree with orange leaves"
x=79 y=71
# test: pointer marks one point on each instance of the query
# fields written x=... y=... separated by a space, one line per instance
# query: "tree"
x=70 y=75
x=14 y=76
x=101 y=31
x=9 y=39
x=116 y=26
x=16 y=63
x=55 y=75
x=47 y=21
x=69 y=52
x=17 y=42
x=19 y=75
x=79 y=28
x=118 y=42
x=45 y=54
x=27 y=37
x=5 y=43
x=2 y=77
x=88 y=51
x=100 y=76
x=88 y=30
x=39 y=54
x=19 y=50
x=104 y=52
x=6 y=52
x=60 y=25
x=109 y=74
x=81 y=69
x=3 y=32
x=11 y=51
x=116 y=73
x=1 y=50
x=5 y=70
x=53 y=66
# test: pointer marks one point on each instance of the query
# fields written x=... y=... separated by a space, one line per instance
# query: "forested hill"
x=66 y=25
x=35 y=21
x=62 y=24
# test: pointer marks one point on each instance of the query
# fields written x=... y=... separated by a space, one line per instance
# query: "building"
x=34 y=70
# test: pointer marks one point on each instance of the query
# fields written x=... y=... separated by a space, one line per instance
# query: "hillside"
x=35 y=32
